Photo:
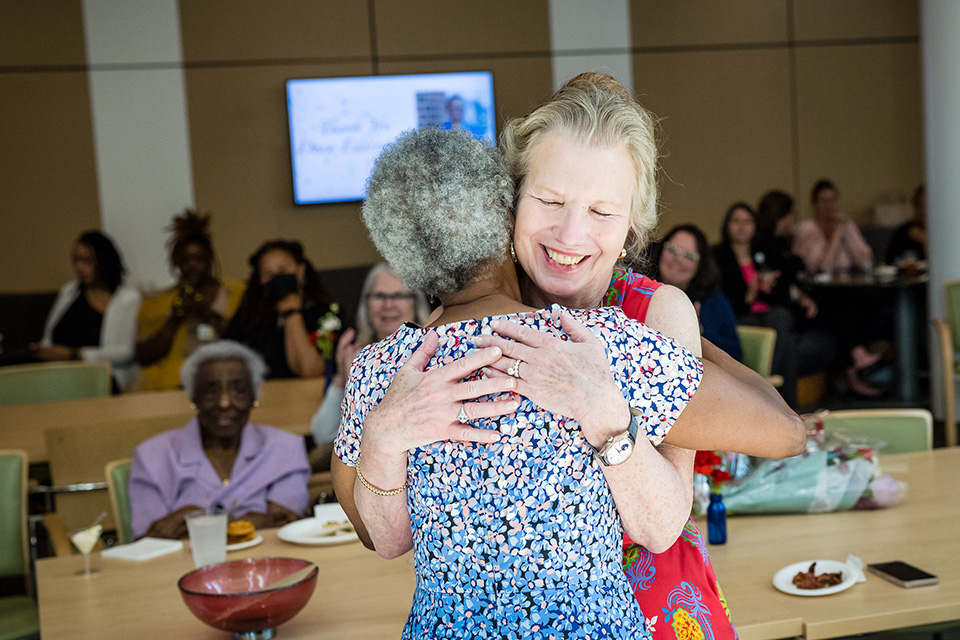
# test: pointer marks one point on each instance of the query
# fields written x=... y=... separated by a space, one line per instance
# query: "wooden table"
x=358 y=595
x=286 y=404
x=361 y=596
x=921 y=530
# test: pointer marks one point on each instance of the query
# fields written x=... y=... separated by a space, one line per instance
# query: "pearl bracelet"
x=376 y=490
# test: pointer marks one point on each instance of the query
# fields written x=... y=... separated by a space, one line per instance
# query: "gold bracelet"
x=376 y=490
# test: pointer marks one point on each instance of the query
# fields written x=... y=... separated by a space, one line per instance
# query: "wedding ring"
x=462 y=417
x=514 y=369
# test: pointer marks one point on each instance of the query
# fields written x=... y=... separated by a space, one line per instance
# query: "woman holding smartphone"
x=285 y=315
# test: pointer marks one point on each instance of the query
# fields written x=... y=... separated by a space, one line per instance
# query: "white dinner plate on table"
x=257 y=539
x=783 y=580
x=315 y=531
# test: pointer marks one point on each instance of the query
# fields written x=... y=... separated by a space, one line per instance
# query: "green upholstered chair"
x=949 y=333
x=117 y=474
x=53 y=381
x=903 y=430
x=19 y=618
x=757 y=344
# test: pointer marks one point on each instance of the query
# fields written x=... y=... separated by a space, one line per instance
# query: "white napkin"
x=143 y=549
x=856 y=567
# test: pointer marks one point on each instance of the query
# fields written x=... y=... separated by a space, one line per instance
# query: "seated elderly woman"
x=256 y=472
x=516 y=522
x=385 y=304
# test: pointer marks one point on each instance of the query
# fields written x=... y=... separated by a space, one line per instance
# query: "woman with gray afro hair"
x=438 y=209
x=515 y=511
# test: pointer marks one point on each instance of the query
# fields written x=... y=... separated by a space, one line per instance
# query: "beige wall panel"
x=432 y=27
x=48 y=184
x=519 y=84
x=664 y=23
x=861 y=123
x=242 y=173
x=725 y=120
x=830 y=19
x=280 y=29
x=41 y=33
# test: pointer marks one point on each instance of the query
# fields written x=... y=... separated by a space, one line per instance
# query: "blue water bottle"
x=716 y=520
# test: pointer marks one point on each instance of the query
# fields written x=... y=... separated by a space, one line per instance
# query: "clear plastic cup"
x=208 y=536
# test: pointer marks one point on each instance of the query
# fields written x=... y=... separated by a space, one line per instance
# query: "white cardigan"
x=118 y=332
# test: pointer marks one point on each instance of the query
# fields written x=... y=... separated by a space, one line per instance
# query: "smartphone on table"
x=903 y=574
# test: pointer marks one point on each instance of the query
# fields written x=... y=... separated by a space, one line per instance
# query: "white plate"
x=308 y=531
x=245 y=545
x=784 y=578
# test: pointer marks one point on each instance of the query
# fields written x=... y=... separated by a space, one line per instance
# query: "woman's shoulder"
x=126 y=294
x=278 y=439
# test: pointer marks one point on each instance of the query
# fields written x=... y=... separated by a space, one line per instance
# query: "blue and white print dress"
x=521 y=538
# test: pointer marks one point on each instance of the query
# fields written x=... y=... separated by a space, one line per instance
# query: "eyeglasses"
x=690 y=256
x=397 y=296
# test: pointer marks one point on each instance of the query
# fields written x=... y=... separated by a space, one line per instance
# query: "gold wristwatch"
x=618 y=449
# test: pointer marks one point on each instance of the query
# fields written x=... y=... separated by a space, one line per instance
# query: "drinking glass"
x=85 y=540
x=208 y=535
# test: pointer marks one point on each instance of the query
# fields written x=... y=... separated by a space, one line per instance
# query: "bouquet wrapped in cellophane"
x=837 y=472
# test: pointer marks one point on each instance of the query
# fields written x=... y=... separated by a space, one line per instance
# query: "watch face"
x=618 y=451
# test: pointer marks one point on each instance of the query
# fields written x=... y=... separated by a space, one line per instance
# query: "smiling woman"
x=257 y=473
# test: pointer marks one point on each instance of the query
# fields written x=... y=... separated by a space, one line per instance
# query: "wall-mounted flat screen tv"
x=339 y=125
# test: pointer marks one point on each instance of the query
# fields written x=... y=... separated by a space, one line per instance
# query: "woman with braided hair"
x=194 y=311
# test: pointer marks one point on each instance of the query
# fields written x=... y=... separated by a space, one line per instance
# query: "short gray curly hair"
x=438 y=209
x=223 y=350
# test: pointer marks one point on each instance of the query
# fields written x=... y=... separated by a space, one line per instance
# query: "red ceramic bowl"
x=231 y=596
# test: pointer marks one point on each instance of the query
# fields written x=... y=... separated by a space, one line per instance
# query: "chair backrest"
x=951 y=289
x=117 y=473
x=14 y=558
x=903 y=430
x=757 y=344
x=79 y=454
x=54 y=381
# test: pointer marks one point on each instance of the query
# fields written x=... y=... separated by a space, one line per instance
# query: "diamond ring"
x=514 y=369
x=462 y=417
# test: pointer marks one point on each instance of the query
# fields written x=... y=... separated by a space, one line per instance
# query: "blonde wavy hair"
x=594 y=109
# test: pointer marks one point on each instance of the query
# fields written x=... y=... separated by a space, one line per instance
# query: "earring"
x=256 y=403
x=193 y=406
x=513 y=252
x=623 y=253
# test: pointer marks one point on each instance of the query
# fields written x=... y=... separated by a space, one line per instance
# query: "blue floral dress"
x=521 y=538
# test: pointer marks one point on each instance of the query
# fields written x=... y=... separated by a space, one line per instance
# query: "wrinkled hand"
x=571 y=378
x=421 y=407
x=347 y=350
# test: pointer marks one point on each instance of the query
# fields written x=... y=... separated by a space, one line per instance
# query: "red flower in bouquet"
x=710 y=464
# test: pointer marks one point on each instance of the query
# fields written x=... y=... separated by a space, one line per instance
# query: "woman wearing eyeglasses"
x=385 y=304
x=686 y=262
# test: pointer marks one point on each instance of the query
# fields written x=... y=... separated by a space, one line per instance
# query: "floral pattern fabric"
x=521 y=538
x=677 y=589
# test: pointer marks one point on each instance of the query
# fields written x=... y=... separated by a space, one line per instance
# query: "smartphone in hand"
x=903 y=574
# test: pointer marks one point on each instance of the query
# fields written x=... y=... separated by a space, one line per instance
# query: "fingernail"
x=495 y=324
x=512 y=406
x=495 y=350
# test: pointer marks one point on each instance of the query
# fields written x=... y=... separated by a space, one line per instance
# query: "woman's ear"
x=301 y=272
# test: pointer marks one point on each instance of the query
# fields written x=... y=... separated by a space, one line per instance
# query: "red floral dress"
x=677 y=589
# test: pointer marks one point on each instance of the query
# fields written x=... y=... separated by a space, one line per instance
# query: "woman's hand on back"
x=422 y=407
x=567 y=377
x=347 y=350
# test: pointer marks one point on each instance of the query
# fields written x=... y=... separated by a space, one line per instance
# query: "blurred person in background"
x=683 y=259
x=909 y=241
x=285 y=315
x=385 y=304
x=830 y=241
x=175 y=321
x=94 y=318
